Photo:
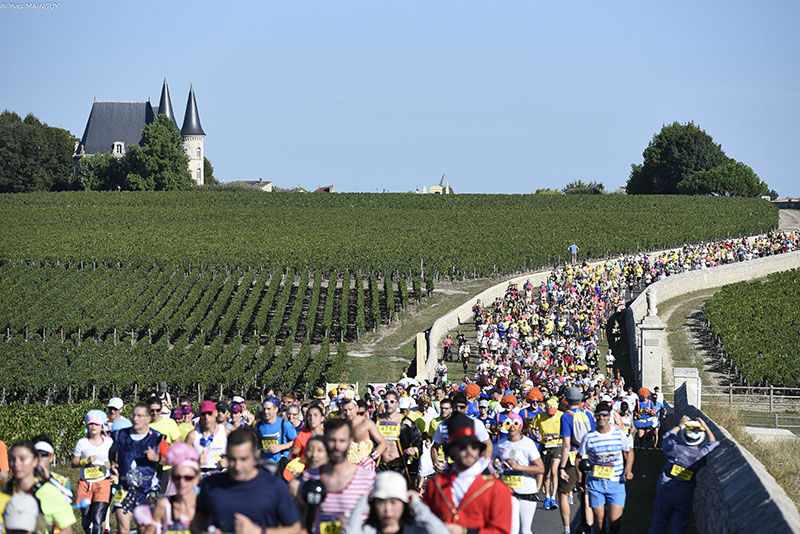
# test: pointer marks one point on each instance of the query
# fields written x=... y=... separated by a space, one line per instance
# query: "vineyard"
x=236 y=292
x=758 y=326
x=118 y=328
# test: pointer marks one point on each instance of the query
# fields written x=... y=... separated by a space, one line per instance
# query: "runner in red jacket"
x=466 y=497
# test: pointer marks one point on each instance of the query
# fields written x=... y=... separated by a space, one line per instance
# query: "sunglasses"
x=156 y=411
x=602 y=414
x=185 y=478
x=43 y=454
x=110 y=409
x=361 y=413
x=509 y=424
x=390 y=401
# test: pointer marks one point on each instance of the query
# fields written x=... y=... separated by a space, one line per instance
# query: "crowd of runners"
x=541 y=424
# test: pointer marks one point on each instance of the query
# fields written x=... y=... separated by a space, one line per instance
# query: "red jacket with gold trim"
x=485 y=508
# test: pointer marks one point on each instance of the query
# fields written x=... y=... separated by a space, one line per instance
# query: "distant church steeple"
x=165 y=104
x=191 y=119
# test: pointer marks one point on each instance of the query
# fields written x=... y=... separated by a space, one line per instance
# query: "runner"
x=210 y=440
x=94 y=487
x=315 y=418
x=174 y=514
x=114 y=410
x=245 y=499
x=276 y=435
x=368 y=443
x=135 y=452
x=645 y=419
x=346 y=482
x=518 y=459
x=575 y=424
x=612 y=465
x=403 y=440
x=547 y=429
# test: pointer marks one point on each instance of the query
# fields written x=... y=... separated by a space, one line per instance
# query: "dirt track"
x=789 y=220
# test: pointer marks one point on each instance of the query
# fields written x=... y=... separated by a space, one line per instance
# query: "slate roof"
x=191 y=119
x=115 y=121
x=165 y=104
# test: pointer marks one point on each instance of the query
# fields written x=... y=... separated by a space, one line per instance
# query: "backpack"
x=581 y=425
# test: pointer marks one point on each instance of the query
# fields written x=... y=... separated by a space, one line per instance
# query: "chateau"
x=114 y=126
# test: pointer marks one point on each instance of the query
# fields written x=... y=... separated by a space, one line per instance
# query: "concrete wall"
x=688 y=282
x=735 y=493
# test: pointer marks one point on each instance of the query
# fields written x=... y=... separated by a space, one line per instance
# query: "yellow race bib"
x=389 y=430
x=513 y=481
x=119 y=496
x=330 y=527
x=603 y=471
x=265 y=443
x=178 y=532
x=681 y=472
x=573 y=455
x=93 y=472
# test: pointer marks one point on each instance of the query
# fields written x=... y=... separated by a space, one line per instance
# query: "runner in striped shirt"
x=346 y=482
x=609 y=453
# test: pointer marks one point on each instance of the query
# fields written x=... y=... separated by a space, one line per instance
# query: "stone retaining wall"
x=647 y=370
x=735 y=493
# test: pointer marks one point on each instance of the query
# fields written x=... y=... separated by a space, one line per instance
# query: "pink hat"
x=181 y=453
x=207 y=406
x=93 y=418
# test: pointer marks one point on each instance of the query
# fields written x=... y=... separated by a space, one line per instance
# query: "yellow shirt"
x=549 y=428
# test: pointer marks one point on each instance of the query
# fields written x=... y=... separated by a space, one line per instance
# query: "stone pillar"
x=691 y=377
x=652 y=339
x=422 y=354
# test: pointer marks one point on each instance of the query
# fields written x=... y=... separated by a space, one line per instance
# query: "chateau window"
x=119 y=148
x=198 y=152
x=198 y=174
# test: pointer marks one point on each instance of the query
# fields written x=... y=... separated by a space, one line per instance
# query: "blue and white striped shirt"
x=605 y=449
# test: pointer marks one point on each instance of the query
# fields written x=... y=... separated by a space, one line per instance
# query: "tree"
x=160 y=164
x=579 y=188
x=673 y=155
x=208 y=172
x=732 y=179
x=102 y=172
x=34 y=156
x=547 y=191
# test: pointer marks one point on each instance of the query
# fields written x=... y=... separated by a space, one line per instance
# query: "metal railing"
x=771 y=420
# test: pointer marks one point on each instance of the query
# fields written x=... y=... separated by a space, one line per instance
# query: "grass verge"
x=779 y=456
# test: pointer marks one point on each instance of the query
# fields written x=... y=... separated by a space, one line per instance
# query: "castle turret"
x=165 y=104
x=193 y=138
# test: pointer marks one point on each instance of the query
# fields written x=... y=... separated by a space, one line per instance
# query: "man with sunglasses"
x=403 y=440
x=46 y=452
x=467 y=497
x=135 y=448
x=166 y=425
x=210 y=439
x=611 y=458
x=518 y=459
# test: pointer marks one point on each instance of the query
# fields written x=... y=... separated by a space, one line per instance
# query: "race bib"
x=573 y=455
x=330 y=527
x=681 y=472
x=119 y=496
x=389 y=430
x=603 y=471
x=93 y=472
x=178 y=532
x=513 y=481
x=265 y=443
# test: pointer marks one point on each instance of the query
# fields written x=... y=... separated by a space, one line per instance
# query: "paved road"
x=549 y=521
x=789 y=220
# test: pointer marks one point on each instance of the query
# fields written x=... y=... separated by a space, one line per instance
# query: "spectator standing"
x=574 y=249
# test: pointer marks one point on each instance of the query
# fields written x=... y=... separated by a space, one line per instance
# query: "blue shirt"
x=683 y=455
x=264 y=499
x=575 y=424
x=131 y=453
x=273 y=435
x=605 y=449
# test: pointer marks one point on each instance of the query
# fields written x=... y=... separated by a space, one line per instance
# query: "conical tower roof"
x=191 y=119
x=165 y=104
x=443 y=182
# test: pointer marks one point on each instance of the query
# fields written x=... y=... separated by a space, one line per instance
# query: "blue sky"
x=503 y=96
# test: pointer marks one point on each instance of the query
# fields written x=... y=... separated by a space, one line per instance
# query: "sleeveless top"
x=175 y=525
x=213 y=447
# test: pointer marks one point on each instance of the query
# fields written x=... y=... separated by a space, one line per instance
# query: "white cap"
x=390 y=485
x=237 y=399
x=21 y=513
x=115 y=402
x=404 y=404
x=43 y=446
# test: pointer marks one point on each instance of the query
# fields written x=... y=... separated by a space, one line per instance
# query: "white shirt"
x=525 y=453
